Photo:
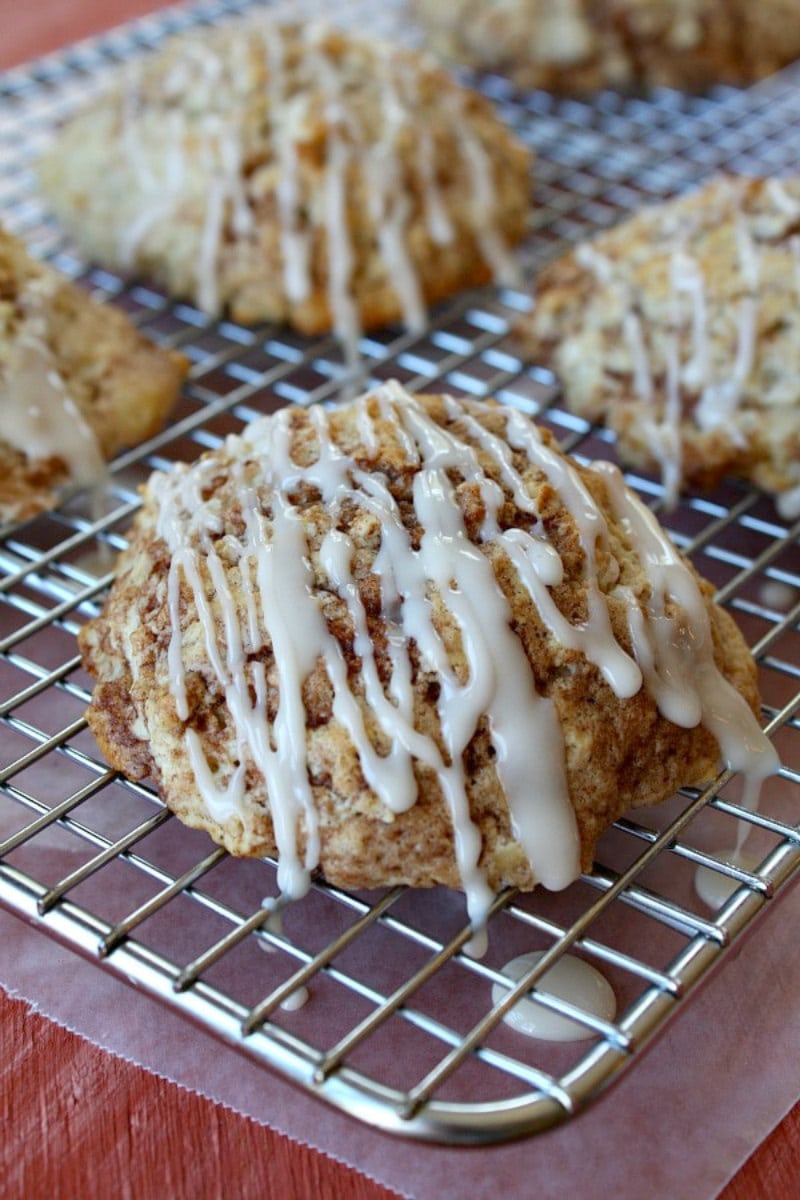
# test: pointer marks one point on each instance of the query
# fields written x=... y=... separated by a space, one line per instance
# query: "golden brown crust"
x=122 y=385
x=709 y=279
x=618 y=753
x=216 y=94
x=582 y=45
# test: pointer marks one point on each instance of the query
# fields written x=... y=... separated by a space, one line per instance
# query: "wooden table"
x=54 y=1144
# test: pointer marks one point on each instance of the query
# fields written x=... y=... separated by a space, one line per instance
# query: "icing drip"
x=663 y=431
x=132 y=141
x=675 y=649
x=720 y=400
x=207 y=289
x=599 y=264
x=295 y=243
x=715 y=888
x=37 y=414
x=785 y=203
x=339 y=154
x=788 y=504
x=161 y=184
x=664 y=436
x=482 y=197
x=570 y=979
x=389 y=206
x=794 y=245
x=686 y=276
x=295 y=999
x=749 y=257
x=440 y=227
x=719 y=381
x=669 y=440
x=203 y=161
x=493 y=688
x=595 y=638
x=642 y=374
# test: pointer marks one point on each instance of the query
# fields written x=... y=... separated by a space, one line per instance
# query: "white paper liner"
x=686 y=1117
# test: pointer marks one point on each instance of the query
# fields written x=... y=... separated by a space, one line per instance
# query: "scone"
x=77 y=383
x=680 y=328
x=293 y=173
x=407 y=641
x=579 y=45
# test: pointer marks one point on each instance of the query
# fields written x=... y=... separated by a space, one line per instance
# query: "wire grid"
x=401 y=1030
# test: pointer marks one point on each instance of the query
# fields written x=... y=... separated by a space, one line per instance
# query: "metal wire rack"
x=401 y=1031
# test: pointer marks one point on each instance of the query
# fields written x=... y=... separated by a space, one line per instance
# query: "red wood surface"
x=32 y=27
x=77 y=1122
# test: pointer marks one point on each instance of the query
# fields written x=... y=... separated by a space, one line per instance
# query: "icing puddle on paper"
x=570 y=979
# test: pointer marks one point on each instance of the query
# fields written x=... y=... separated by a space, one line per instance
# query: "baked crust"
x=293 y=174
x=122 y=385
x=617 y=753
x=582 y=45
x=679 y=329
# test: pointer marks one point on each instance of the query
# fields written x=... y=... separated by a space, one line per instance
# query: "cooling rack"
x=400 y=1029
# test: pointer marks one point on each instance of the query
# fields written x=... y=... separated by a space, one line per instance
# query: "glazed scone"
x=407 y=641
x=77 y=383
x=580 y=45
x=294 y=173
x=680 y=328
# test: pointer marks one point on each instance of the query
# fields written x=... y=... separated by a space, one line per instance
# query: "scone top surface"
x=681 y=328
x=579 y=45
x=294 y=172
x=77 y=383
x=406 y=640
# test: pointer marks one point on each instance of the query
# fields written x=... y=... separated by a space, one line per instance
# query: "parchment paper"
x=679 y=1124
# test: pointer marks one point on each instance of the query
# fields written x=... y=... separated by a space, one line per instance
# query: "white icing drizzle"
x=273 y=907
x=794 y=246
x=131 y=238
x=482 y=194
x=135 y=148
x=676 y=652
x=570 y=979
x=749 y=257
x=161 y=188
x=166 y=179
x=595 y=638
x=720 y=390
x=37 y=414
x=779 y=196
x=278 y=605
x=642 y=374
x=686 y=276
x=720 y=400
x=587 y=255
x=221 y=158
x=388 y=203
x=207 y=275
x=664 y=436
x=440 y=227
x=286 y=120
x=339 y=154
x=670 y=440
